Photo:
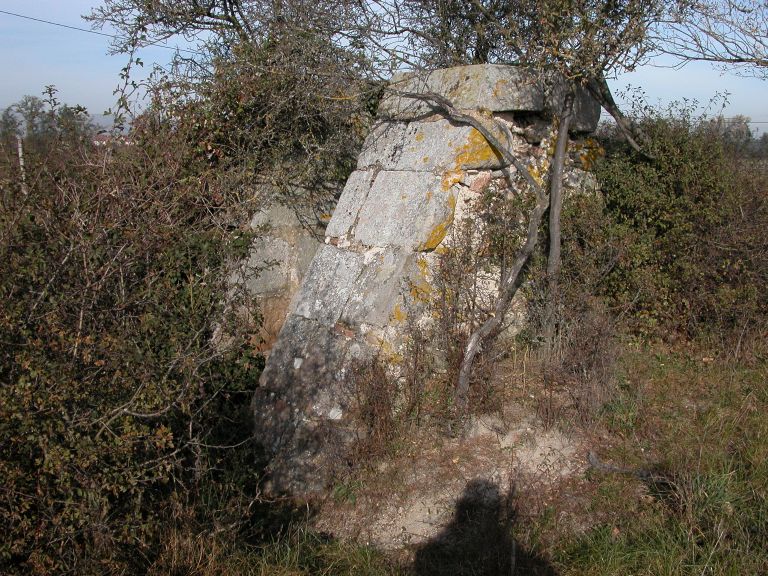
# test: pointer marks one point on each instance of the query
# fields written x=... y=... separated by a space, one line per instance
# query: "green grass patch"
x=705 y=510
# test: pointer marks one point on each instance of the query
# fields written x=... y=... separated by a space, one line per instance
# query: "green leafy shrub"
x=694 y=214
x=117 y=397
x=125 y=364
x=264 y=117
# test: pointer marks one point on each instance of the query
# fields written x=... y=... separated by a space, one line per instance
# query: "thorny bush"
x=695 y=216
x=117 y=401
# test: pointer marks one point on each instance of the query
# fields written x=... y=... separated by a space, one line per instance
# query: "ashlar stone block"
x=374 y=298
x=328 y=284
x=352 y=198
x=491 y=87
x=411 y=210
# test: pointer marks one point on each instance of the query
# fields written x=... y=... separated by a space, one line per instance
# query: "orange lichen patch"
x=589 y=152
x=421 y=289
x=475 y=151
x=449 y=179
x=553 y=146
x=398 y=314
x=440 y=231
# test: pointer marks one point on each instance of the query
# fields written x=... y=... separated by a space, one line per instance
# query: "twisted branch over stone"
x=444 y=106
x=511 y=281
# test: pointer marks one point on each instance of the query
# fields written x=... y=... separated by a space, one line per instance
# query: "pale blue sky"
x=33 y=55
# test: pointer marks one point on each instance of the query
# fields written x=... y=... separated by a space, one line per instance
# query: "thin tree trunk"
x=600 y=91
x=555 y=210
x=512 y=279
x=507 y=291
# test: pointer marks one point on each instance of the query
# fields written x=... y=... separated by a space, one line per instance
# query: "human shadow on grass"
x=478 y=540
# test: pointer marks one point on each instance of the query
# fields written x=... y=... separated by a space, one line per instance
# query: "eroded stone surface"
x=411 y=210
x=277 y=262
x=490 y=87
x=434 y=146
x=301 y=407
x=330 y=280
x=416 y=176
x=483 y=86
x=374 y=298
x=353 y=196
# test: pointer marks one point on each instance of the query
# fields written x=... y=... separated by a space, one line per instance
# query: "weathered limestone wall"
x=277 y=263
x=416 y=174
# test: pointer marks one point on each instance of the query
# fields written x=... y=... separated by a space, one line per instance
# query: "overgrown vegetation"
x=117 y=399
x=696 y=215
x=127 y=371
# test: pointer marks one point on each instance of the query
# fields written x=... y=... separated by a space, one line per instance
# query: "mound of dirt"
x=419 y=498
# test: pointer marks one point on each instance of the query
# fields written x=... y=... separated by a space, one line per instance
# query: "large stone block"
x=482 y=86
x=492 y=87
x=280 y=255
x=345 y=215
x=383 y=145
x=271 y=265
x=375 y=297
x=437 y=146
x=411 y=210
x=586 y=110
x=329 y=282
x=277 y=261
x=301 y=409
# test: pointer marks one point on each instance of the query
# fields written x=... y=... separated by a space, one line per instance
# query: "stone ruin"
x=416 y=175
x=278 y=260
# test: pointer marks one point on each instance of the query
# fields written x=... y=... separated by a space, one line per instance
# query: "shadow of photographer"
x=478 y=541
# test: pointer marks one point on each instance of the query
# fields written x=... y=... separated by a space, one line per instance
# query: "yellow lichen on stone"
x=421 y=289
x=475 y=151
x=398 y=314
x=539 y=173
x=419 y=137
x=589 y=152
x=439 y=232
x=387 y=351
x=423 y=266
x=553 y=146
x=449 y=179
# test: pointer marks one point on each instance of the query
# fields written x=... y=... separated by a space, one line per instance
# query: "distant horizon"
x=36 y=55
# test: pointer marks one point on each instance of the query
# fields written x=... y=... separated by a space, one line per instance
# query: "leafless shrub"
x=374 y=410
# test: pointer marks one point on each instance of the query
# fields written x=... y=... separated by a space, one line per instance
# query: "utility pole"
x=20 y=152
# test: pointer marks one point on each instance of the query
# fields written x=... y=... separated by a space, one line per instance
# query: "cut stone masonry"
x=415 y=176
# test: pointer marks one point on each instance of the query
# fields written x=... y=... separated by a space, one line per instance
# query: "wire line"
x=97 y=32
